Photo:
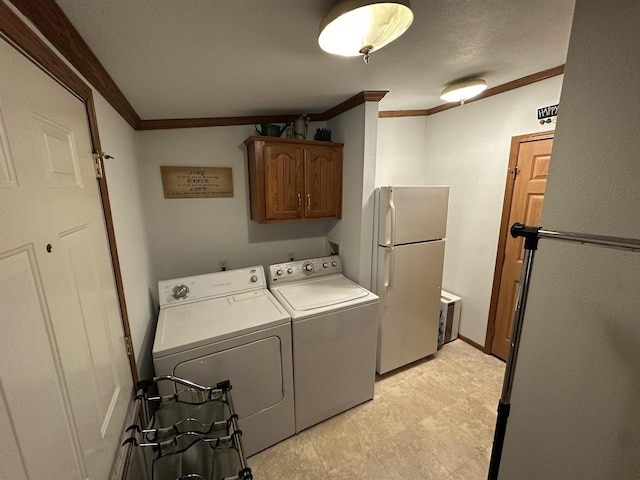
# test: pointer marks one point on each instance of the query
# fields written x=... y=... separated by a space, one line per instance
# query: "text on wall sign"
x=197 y=182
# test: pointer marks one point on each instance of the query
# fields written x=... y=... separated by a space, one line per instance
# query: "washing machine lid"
x=188 y=326
x=323 y=292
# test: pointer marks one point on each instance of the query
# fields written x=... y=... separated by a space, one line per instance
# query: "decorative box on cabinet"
x=294 y=180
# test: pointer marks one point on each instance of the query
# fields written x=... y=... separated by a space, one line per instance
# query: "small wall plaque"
x=546 y=112
x=197 y=182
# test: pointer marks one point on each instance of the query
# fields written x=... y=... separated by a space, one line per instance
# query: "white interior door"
x=64 y=376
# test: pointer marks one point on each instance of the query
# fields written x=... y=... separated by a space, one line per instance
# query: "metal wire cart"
x=192 y=434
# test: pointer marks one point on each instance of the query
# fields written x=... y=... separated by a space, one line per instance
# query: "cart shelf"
x=191 y=434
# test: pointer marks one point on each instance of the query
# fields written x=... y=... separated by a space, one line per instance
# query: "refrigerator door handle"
x=390 y=260
x=390 y=229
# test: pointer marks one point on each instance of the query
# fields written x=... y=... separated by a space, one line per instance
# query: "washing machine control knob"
x=307 y=267
x=325 y=264
x=180 y=291
x=289 y=270
x=279 y=272
x=334 y=264
x=254 y=279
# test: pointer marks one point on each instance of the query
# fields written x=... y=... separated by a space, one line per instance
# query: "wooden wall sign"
x=197 y=182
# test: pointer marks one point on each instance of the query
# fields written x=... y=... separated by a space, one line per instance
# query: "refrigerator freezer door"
x=409 y=285
x=412 y=214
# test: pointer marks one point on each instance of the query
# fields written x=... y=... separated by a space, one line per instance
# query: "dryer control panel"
x=212 y=285
x=287 y=272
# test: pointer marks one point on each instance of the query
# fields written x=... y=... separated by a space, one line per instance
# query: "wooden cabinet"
x=294 y=180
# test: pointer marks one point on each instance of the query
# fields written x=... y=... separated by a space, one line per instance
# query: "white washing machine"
x=227 y=325
x=335 y=325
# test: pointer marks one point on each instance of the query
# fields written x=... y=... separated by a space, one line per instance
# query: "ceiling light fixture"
x=359 y=27
x=463 y=90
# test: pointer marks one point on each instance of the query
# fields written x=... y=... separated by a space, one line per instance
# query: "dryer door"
x=254 y=369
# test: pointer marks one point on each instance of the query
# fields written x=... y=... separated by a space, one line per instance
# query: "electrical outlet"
x=292 y=256
x=223 y=265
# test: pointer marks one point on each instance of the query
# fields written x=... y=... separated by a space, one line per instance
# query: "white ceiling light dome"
x=358 y=27
x=463 y=90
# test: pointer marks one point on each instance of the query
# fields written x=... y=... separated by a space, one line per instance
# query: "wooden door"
x=64 y=373
x=323 y=182
x=531 y=170
x=283 y=178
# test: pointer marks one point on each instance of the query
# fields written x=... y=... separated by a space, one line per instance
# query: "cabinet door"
x=283 y=172
x=323 y=182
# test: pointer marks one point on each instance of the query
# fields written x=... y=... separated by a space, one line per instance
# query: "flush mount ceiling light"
x=359 y=27
x=463 y=90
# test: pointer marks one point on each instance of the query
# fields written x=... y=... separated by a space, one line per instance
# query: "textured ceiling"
x=197 y=58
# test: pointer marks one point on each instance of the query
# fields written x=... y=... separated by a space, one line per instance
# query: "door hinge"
x=98 y=160
x=128 y=345
x=514 y=171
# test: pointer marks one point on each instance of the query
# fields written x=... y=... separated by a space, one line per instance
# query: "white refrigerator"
x=410 y=227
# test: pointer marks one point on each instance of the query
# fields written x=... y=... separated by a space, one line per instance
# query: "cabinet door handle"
x=299 y=201
x=309 y=200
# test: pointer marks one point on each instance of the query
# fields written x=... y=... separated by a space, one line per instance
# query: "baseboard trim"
x=472 y=343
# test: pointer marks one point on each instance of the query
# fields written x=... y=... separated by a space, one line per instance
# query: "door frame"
x=504 y=226
x=18 y=34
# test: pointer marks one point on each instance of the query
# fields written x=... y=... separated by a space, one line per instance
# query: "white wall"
x=356 y=128
x=190 y=236
x=123 y=180
x=468 y=149
x=575 y=405
x=402 y=151
x=369 y=165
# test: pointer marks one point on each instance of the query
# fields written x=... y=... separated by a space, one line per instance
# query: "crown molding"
x=505 y=87
x=49 y=18
x=15 y=31
x=170 y=123
x=358 y=99
x=403 y=113
x=51 y=21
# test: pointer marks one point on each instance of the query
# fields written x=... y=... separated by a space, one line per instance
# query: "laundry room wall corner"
x=190 y=236
x=119 y=140
x=468 y=149
x=357 y=129
x=578 y=360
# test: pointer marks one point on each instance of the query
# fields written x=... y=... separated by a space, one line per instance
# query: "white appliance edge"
x=409 y=231
x=227 y=325
x=334 y=328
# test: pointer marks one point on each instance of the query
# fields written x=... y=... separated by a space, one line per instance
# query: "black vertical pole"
x=504 y=405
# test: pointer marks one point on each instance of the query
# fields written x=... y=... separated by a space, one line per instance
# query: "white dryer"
x=335 y=327
x=227 y=325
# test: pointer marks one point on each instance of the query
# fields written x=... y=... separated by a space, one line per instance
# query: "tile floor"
x=433 y=420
